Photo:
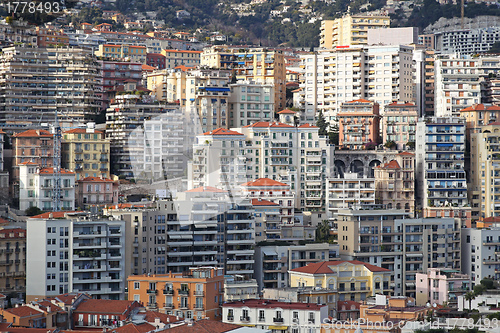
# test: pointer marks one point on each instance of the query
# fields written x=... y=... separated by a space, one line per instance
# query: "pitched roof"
x=34 y=133
x=55 y=215
x=81 y=131
x=133 y=328
x=400 y=104
x=45 y=305
x=96 y=179
x=66 y=299
x=184 y=68
x=482 y=107
x=51 y=170
x=262 y=202
x=391 y=165
x=361 y=100
x=16 y=231
x=268 y=124
x=308 y=126
x=206 y=189
x=104 y=306
x=287 y=111
x=264 y=182
x=323 y=267
x=148 y=68
x=204 y=326
x=2 y=132
x=150 y=317
x=222 y=131
x=23 y=311
x=3 y=221
x=28 y=163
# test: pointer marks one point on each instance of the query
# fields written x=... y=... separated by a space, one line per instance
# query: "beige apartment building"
x=394 y=183
x=350 y=30
x=399 y=124
x=174 y=58
x=86 y=152
x=12 y=260
x=478 y=115
x=259 y=65
x=348 y=192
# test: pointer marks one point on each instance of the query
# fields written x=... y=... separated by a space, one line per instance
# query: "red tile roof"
x=104 y=306
x=33 y=133
x=287 y=111
x=96 y=179
x=2 y=132
x=148 y=68
x=391 y=165
x=45 y=305
x=133 y=328
x=406 y=153
x=222 y=131
x=151 y=316
x=23 y=311
x=264 y=182
x=204 y=326
x=28 y=163
x=492 y=219
x=323 y=267
x=272 y=304
x=268 y=124
x=51 y=170
x=185 y=68
x=361 y=100
x=482 y=107
x=67 y=299
x=81 y=131
x=401 y=104
x=15 y=231
x=28 y=330
x=206 y=189
x=262 y=202
x=3 y=221
x=55 y=215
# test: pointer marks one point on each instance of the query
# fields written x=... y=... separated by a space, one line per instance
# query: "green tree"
x=32 y=211
x=322 y=124
x=469 y=296
x=323 y=232
x=390 y=144
x=488 y=283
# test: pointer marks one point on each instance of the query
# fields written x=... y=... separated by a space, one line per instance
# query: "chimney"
x=51 y=216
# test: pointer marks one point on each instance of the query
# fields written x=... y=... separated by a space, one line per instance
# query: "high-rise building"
x=359 y=124
x=399 y=124
x=37 y=82
x=79 y=255
x=440 y=174
x=466 y=41
x=350 y=30
x=480 y=253
x=250 y=102
x=349 y=192
x=135 y=53
x=4 y=174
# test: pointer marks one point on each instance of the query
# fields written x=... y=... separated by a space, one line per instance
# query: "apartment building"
x=100 y=314
x=348 y=192
x=96 y=192
x=273 y=315
x=195 y=294
x=17 y=32
x=174 y=58
x=466 y=41
x=405 y=246
x=350 y=30
x=26 y=95
x=135 y=53
x=267 y=220
x=258 y=65
x=272 y=262
x=79 y=255
x=51 y=38
x=13 y=259
x=479 y=115
x=114 y=74
x=36 y=186
x=4 y=174
x=441 y=179
x=480 y=258
x=399 y=124
x=359 y=123
x=86 y=152
x=237 y=289
x=395 y=183
x=250 y=102
x=439 y=286
x=380 y=74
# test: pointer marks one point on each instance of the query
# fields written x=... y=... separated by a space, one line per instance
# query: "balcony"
x=168 y=292
x=199 y=293
x=278 y=320
x=169 y=306
x=245 y=319
x=183 y=292
x=152 y=291
x=198 y=307
x=230 y=318
x=152 y=305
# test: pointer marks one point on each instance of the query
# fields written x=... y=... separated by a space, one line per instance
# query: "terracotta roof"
x=262 y=202
x=15 y=231
x=323 y=267
x=148 y=68
x=286 y=111
x=28 y=163
x=206 y=189
x=272 y=304
x=34 y=133
x=133 y=328
x=264 y=182
x=28 y=330
x=45 y=305
x=482 y=107
x=82 y=131
x=222 y=131
x=185 y=68
x=150 y=317
x=401 y=104
x=204 y=326
x=3 y=221
x=391 y=165
x=406 y=153
x=104 y=306
x=23 y=311
x=361 y=100
x=268 y=124
x=495 y=123
x=491 y=219
x=95 y=179
x=308 y=126
x=55 y=215
x=66 y=299
x=51 y=170
x=2 y=132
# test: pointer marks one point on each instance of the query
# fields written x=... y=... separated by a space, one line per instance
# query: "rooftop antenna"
x=56 y=191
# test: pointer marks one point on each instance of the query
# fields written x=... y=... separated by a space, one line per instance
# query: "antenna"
x=56 y=191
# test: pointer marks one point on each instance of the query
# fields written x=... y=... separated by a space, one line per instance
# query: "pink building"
x=440 y=285
x=96 y=192
x=359 y=123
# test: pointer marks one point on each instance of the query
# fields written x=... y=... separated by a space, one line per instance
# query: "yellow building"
x=136 y=53
x=349 y=280
x=174 y=58
x=350 y=30
x=258 y=65
x=86 y=152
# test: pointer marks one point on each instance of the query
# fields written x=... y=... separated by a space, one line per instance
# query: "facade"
x=348 y=192
x=174 y=58
x=135 y=53
x=272 y=262
x=29 y=98
x=81 y=256
x=51 y=38
x=441 y=179
x=96 y=192
x=259 y=65
x=155 y=60
x=380 y=74
x=392 y=36
x=399 y=124
x=101 y=313
x=439 y=286
x=273 y=315
x=479 y=115
x=194 y=295
x=359 y=123
x=466 y=41
x=36 y=186
x=4 y=174
x=13 y=259
x=114 y=74
x=267 y=220
x=18 y=32
x=350 y=30
x=250 y=102
x=85 y=151
x=404 y=246
x=237 y=289
x=395 y=183
x=480 y=259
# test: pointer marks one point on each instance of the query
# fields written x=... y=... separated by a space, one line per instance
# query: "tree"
x=495 y=48
x=32 y=211
x=390 y=144
x=488 y=283
x=322 y=124
x=323 y=232
x=469 y=296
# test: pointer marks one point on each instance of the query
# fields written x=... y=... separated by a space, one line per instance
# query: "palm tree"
x=323 y=231
x=469 y=296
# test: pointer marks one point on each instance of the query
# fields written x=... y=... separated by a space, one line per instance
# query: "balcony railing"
x=278 y=320
x=245 y=319
x=183 y=292
x=152 y=291
x=168 y=292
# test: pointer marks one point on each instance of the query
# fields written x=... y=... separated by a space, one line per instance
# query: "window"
x=137 y=285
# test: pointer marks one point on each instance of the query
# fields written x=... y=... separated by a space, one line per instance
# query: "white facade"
x=250 y=102
x=468 y=41
x=72 y=255
x=36 y=186
x=348 y=192
x=480 y=253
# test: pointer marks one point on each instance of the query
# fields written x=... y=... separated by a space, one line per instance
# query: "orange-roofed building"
x=174 y=58
x=96 y=192
x=36 y=187
x=24 y=316
x=478 y=115
x=395 y=183
x=359 y=123
x=98 y=313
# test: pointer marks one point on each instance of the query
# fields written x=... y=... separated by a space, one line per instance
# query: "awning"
x=269 y=252
x=410 y=284
x=241 y=62
x=281 y=328
x=217 y=89
x=249 y=55
x=444 y=144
